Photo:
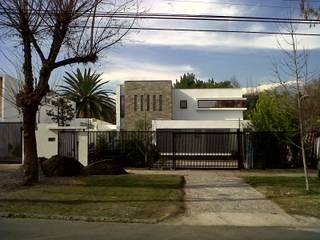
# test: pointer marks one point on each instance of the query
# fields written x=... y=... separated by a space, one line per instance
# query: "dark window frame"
x=183 y=104
x=135 y=103
x=160 y=103
x=122 y=109
x=141 y=103
x=203 y=104
x=154 y=103
x=148 y=102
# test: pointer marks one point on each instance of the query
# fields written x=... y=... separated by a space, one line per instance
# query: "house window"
x=141 y=102
x=135 y=103
x=122 y=106
x=160 y=102
x=183 y=104
x=154 y=103
x=221 y=104
x=148 y=102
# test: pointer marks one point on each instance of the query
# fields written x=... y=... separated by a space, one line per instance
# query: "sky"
x=160 y=55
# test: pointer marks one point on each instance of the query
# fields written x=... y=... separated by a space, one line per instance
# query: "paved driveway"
x=222 y=198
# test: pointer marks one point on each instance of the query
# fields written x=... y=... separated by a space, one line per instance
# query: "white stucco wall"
x=45 y=147
x=196 y=124
x=83 y=148
x=193 y=113
x=48 y=148
x=11 y=87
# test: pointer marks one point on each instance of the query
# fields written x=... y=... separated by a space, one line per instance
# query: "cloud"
x=130 y=69
x=218 y=40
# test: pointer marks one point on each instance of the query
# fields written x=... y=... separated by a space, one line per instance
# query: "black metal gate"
x=10 y=142
x=67 y=144
x=215 y=150
x=168 y=149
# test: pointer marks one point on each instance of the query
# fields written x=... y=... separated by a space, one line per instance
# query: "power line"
x=209 y=30
x=198 y=17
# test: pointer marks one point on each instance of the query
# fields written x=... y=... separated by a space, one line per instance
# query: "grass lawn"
x=125 y=198
x=289 y=193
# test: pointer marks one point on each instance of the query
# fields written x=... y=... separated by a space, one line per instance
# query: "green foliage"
x=273 y=113
x=252 y=99
x=189 y=80
x=62 y=111
x=86 y=90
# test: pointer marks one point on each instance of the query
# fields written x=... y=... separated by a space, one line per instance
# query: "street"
x=35 y=229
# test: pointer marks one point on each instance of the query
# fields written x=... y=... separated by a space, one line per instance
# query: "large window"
x=221 y=104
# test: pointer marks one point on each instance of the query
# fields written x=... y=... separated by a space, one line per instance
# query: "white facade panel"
x=193 y=113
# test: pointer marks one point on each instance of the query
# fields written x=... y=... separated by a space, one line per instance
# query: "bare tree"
x=52 y=34
x=294 y=66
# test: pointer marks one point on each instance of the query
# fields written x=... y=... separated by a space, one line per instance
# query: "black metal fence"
x=216 y=150
x=10 y=142
x=194 y=149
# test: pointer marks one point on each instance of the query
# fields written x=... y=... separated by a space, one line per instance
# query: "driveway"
x=222 y=198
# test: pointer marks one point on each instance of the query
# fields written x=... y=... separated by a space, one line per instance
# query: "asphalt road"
x=32 y=229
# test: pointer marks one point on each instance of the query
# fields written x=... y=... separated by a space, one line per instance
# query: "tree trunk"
x=30 y=164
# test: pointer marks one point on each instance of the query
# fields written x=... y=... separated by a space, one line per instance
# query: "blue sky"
x=167 y=55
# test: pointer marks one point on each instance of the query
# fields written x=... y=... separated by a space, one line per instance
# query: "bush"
x=61 y=167
x=104 y=167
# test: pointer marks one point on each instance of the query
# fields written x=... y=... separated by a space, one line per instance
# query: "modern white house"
x=9 y=87
x=161 y=107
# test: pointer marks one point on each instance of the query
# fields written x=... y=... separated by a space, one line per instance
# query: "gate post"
x=240 y=153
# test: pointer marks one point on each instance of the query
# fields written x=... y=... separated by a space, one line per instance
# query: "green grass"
x=125 y=198
x=290 y=193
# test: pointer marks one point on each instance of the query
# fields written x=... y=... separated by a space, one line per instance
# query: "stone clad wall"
x=145 y=88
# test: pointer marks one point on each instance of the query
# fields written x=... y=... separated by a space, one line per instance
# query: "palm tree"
x=86 y=90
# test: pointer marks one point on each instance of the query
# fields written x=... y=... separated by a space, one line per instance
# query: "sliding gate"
x=216 y=150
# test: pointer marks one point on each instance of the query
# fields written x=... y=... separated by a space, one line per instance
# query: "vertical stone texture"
x=145 y=88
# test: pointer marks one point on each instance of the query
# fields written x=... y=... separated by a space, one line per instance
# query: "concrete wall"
x=193 y=113
x=10 y=87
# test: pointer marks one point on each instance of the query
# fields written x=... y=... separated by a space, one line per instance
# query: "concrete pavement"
x=34 y=229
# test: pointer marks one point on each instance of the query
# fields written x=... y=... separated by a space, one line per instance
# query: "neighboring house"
x=161 y=107
x=9 y=87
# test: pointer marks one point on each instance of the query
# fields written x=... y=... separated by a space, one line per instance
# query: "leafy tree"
x=62 y=113
x=51 y=34
x=273 y=114
x=86 y=90
x=252 y=99
x=189 y=80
